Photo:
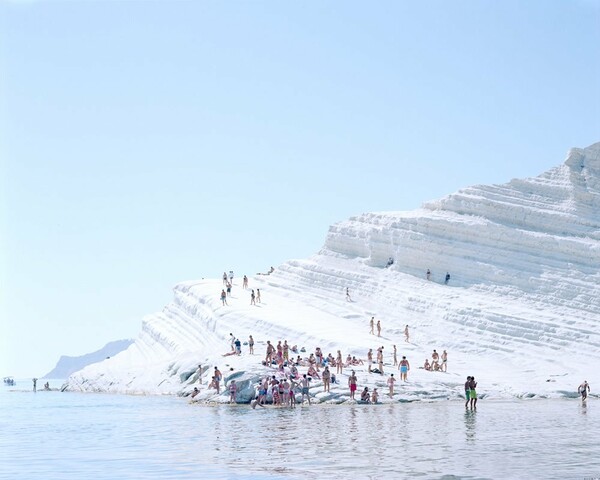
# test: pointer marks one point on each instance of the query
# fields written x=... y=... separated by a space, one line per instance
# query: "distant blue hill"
x=67 y=365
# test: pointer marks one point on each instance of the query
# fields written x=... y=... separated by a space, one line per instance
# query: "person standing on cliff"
x=391 y=382
x=379 y=328
x=223 y=297
x=252 y=298
x=218 y=376
x=444 y=366
x=395 y=356
x=339 y=363
x=447 y=279
x=428 y=274
x=258 y=295
x=352 y=380
x=406 y=335
x=245 y=283
x=348 y=299
x=251 y=345
x=372 y=325
x=270 y=351
x=232 y=391
x=224 y=278
x=34 y=384
x=404 y=367
x=304 y=384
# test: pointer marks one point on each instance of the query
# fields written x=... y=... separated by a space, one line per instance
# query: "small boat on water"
x=9 y=381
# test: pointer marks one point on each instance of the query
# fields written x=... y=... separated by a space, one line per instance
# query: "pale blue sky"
x=147 y=143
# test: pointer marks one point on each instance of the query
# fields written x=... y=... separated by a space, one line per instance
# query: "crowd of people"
x=438 y=364
x=288 y=381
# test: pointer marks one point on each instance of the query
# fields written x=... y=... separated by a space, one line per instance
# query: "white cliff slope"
x=521 y=310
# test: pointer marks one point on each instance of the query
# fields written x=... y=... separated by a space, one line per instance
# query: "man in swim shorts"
x=467 y=391
x=404 y=367
x=583 y=390
x=352 y=380
x=473 y=392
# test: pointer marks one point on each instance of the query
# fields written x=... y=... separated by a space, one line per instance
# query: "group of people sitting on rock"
x=435 y=365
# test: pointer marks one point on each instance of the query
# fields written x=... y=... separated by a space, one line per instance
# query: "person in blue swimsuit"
x=404 y=367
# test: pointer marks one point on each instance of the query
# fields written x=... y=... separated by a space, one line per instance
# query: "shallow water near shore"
x=54 y=435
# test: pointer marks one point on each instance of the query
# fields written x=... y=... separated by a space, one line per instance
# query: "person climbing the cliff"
x=223 y=297
x=252 y=298
x=447 y=279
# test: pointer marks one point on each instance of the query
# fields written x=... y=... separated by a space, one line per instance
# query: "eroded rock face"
x=526 y=234
x=524 y=289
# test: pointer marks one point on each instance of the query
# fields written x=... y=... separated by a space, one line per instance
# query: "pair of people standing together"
x=470 y=392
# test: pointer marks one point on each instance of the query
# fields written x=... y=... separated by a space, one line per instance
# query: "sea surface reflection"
x=53 y=435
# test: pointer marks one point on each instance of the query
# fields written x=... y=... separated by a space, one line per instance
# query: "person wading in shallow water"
x=473 y=392
x=583 y=390
x=467 y=391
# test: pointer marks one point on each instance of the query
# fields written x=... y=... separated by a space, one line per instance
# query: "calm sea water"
x=53 y=435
